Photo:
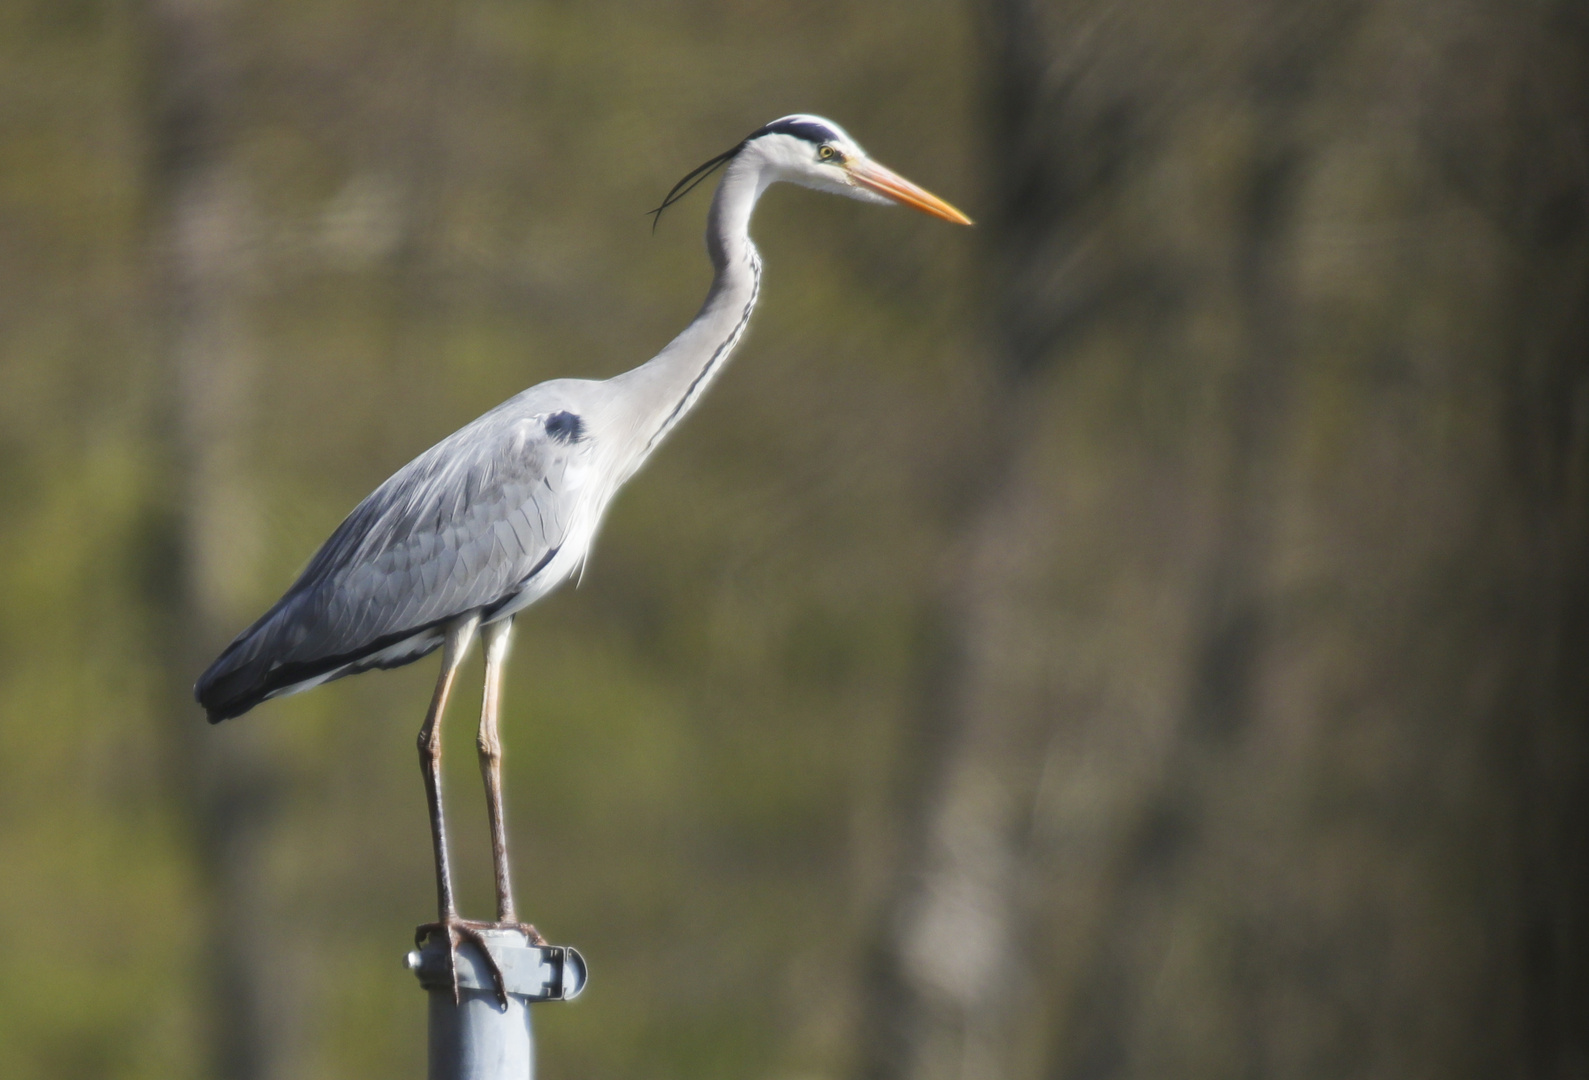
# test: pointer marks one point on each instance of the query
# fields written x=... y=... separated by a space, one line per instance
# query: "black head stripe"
x=810 y=130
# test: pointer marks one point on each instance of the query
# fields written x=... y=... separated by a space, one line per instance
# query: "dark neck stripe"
x=692 y=392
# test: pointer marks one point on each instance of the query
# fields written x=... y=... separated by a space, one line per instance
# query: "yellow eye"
x=827 y=153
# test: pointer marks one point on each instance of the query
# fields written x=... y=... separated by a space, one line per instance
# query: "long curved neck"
x=656 y=395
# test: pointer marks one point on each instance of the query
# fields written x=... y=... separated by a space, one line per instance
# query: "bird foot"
x=459 y=930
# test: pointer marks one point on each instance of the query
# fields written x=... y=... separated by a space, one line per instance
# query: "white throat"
x=664 y=389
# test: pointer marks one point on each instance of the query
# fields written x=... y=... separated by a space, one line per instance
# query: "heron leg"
x=496 y=637
x=460 y=633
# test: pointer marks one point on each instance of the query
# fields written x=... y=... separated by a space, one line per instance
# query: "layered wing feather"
x=463 y=527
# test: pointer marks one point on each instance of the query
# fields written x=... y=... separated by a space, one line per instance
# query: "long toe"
x=456 y=931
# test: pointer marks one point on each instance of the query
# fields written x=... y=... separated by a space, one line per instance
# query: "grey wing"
x=463 y=527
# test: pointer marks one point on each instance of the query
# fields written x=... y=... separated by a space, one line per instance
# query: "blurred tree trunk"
x=206 y=242
x=1261 y=746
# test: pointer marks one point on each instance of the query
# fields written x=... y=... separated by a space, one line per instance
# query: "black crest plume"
x=692 y=180
x=800 y=127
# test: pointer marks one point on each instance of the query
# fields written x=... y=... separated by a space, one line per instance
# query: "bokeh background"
x=1146 y=635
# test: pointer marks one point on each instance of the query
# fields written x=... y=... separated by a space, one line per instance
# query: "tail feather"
x=260 y=664
x=238 y=680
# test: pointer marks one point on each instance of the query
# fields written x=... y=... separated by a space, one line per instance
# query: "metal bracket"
x=533 y=972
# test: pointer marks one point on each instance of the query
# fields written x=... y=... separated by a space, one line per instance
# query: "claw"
x=456 y=928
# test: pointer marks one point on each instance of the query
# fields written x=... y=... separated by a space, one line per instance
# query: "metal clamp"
x=533 y=972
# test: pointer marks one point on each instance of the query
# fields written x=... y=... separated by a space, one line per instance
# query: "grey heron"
x=503 y=510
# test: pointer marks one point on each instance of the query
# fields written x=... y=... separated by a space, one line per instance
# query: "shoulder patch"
x=565 y=427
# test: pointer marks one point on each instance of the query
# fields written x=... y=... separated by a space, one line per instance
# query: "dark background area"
x=1146 y=635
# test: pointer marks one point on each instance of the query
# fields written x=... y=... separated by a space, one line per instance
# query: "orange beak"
x=869 y=174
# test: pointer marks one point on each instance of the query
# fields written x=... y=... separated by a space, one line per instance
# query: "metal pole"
x=474 y=1037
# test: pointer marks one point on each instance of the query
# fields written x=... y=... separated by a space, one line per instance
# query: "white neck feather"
x=651 y=399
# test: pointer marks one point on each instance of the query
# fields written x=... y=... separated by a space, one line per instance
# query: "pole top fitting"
x=533 y=972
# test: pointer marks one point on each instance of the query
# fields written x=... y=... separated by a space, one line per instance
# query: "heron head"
x=816 y=153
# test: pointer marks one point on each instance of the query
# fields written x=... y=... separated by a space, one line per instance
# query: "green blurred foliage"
x=1134 y=637
x=447 y=205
